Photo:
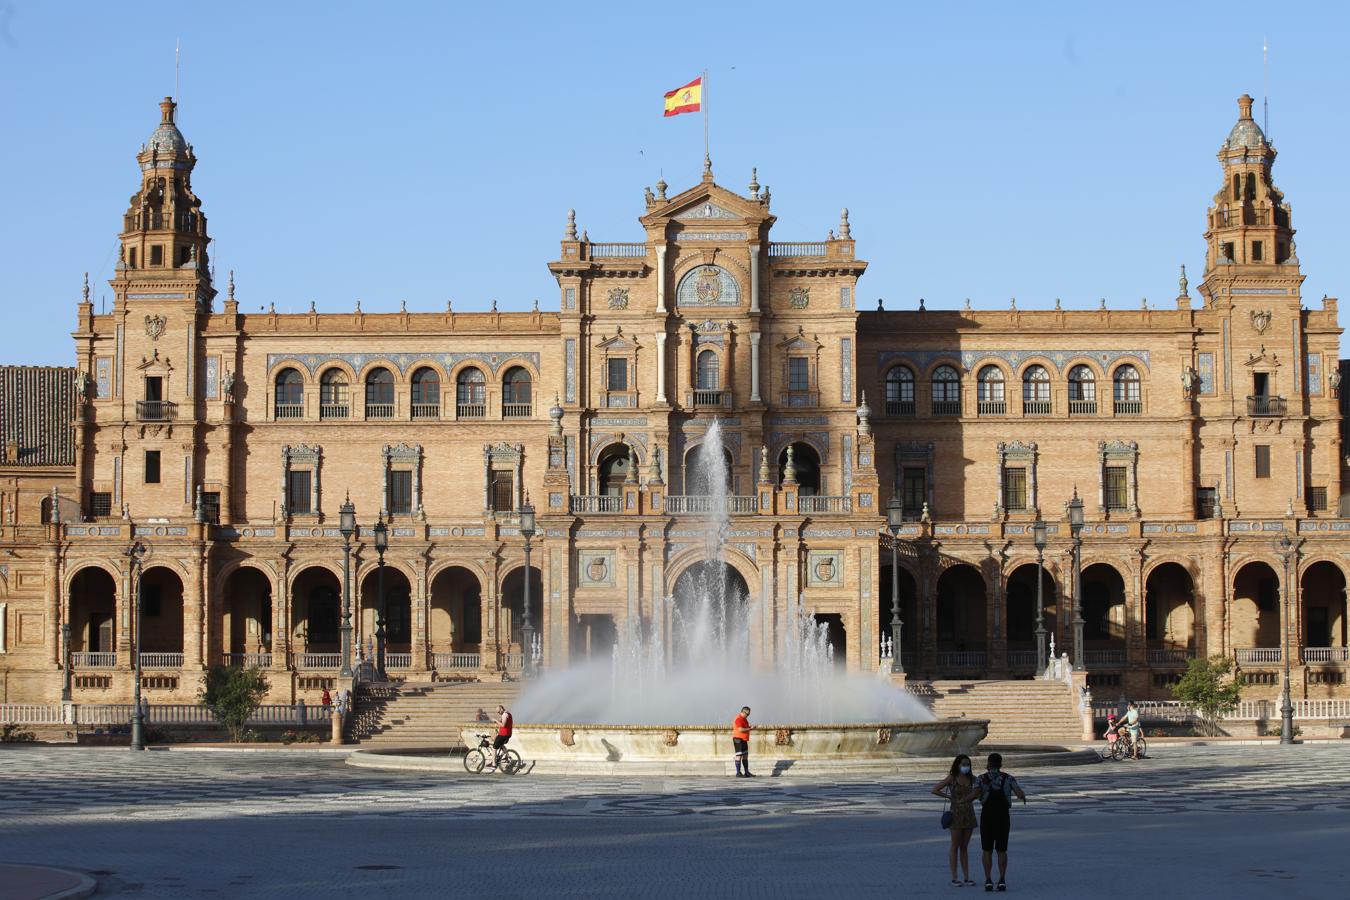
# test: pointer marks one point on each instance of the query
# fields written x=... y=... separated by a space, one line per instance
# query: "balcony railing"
x=1262 y=405
x=1169 y=656
x=513 y=661
x=288 y=410
x=379 y=410
x=98 y=659
x=1021 y=659
x=398 y=660
x=156 y=410
x=443 y=661
x=1082 y=407
x=517 y=410
x=596 y=503
x=825 y=504
x=1258 y=656
x=899 y=407
x=797 y=248
x=246 y=660
x=800 y=398
x=991 y=408
x=334 y=411
x=946 y=407
x=470 y=410
x=426 y=410
x=707 y=504
x=1037 y=407
x=1326 y=654
x=1104 y=657
x=719 y=399
x=161 y=660
x=1129 y=407
x=320 y=660
x=618 y=251
x=961 y=659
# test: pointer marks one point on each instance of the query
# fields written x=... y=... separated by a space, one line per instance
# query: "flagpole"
x=707 y=160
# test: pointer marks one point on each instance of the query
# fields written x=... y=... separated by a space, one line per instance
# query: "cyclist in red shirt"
x=504 y=725
x=740 y=741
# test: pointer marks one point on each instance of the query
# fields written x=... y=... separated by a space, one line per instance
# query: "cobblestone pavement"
x=1237 y=821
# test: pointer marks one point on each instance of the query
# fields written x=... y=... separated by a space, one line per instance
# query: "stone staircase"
x=1019 y=712
x=429 y=715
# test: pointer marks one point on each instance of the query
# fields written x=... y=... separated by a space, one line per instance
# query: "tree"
x=233 y=695
x=1211 y=688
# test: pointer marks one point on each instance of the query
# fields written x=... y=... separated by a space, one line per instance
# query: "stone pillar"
x=488 y=600
x=195 y=617
x=281 y=620
x=754 y=366
x=660 y=281
x=754 y=278
x=661 y=366
x=51 y=595
x=420 y=619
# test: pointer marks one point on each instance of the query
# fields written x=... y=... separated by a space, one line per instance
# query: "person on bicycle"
x=1112 y=730
x=504 y=725
x=740 y=742
x=1134 y=728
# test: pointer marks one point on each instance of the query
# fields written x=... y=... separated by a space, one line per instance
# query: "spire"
x=707 y=168
x=754 y=184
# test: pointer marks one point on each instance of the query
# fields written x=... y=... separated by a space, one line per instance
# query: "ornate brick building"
x=1197 y=435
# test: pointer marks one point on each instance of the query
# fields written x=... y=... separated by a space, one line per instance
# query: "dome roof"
x=167 y=138
x=1246 y=134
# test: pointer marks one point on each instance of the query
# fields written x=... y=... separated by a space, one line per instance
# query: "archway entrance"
x=710 y=617
x=1324 y=614
x=1021 y=617
x=1255 y=618
x=1169 y=615
x=316 y=597
x=1103 y=616
x=806 y=464
x=93 y=614
x=513 y=612
x=836 y=636
x=162 y=618
x=246 y=620
x=456 y=626
x=593 y=637
x=961 y=618
x=397 y=611
x=909 y=606
x=616 y=463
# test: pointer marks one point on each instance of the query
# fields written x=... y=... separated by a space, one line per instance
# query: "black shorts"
x=741 y=745
x=500 y=741
x=994 y=829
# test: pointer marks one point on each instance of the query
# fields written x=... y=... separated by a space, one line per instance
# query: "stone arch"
x=711 y=612
x=1037 y=359
x=316 y=603
x=909 y=607
x=379 y=362
x=511 y=607
x=307 y=375
x=1103 y=606
x=454 y=610
x=1171 y=611
x=399 y=586
x=733 y=556
x=109 y=567
x=738 y=280
x=246 y=591
x=1324 y=610
x=225 y=571
x=614 y=465
x=961 y=601
x=1020 y=605
x=162 y=607
x=1255 y=614
x=693 y=483
x=810 y=473
x=91 y=607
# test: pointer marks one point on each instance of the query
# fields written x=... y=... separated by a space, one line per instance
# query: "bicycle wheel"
x=1117 y=750
x=511 y=762
x=1143 y=746
x=474 y=762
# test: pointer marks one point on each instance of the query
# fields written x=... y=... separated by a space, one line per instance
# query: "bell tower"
x=164 y=238
x=1250 y=237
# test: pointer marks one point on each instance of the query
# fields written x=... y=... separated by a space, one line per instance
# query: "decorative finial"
x=229 y=290
x=1183 y=283
x=555 y=413
x=789 y=468
x=358 y=304
x=1012 y=303
x=585 y=238
x=661 y=188
x=831 y=235
x=844 y=233
x=313 y=306
x=922 y=308
x=967 y=306
x=881 y=305
x=765 y=473
x=924 y=516
x=494 y=304
x=632 y=465
x=403 y=306
x=1103 y=306
x=754 y=184
x=654 y=468
x=571 y=232
x=1058 y=305
x=864 y=414
x=86 y=287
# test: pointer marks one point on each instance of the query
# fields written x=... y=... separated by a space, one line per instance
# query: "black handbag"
x=947 y=816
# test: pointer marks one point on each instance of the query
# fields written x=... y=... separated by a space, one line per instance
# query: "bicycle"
x=1124 y=745
x=476 y=760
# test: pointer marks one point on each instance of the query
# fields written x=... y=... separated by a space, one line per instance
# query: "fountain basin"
x=697 y=743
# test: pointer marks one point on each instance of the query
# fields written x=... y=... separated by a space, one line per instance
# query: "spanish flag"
x=685 y=99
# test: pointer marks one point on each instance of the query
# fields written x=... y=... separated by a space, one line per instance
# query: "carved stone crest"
x=799 y=297
x=596 y=569
x=618 y=298
x=883 y=736
x=154 y=326
x=1260 y=320
x=709 y=286
x=825 y=569
x=782 y=737
x=672 y=737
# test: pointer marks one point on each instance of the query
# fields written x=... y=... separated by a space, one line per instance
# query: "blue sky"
x=421 y=152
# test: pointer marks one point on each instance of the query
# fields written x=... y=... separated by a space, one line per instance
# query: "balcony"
x=1169 y=656
x=707 y=504
x=818 y=505
x=444 y=661
x=398 y=660
x=991 y=408
x=596 y=503
x=334 y=411
x=710 y=399
x=961 y=659
x=1258 y=656
x=246 y=660
x=470 y=410
x=1262 y=405
x=1129 y=407
x=800 y=398
x=1082 y=407
x=899 y=407
x=379 y=410
x=1325 y=655
x=99 y=659
x=161 y=660
x=1021 y=659
x=156 y=410
x=796 y=248
x=1105 y=658
x=1037 y=407
x=426 y=410
x=288 y=411
x=946 y=407
x=517 y=410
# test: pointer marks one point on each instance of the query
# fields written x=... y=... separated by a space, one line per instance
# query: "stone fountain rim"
x=816 y=726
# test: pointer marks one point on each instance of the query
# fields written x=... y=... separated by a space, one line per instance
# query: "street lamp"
x=381 y=545
x=527 y=627
x=1076 y=530
x=1038 y=531
x=66 y=695
x=347 y=527
x=1286 y=705
x=133 y=555
x=895 y=515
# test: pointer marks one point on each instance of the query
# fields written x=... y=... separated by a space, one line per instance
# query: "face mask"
x=965 y=770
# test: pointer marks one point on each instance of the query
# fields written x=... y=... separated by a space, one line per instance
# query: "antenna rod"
x=703 y=101
x=1265 y=99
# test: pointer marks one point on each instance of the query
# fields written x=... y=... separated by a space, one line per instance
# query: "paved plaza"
x=1238 y=821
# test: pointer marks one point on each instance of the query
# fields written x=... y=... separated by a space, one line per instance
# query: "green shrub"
x=233 y=695
x=1211 y=688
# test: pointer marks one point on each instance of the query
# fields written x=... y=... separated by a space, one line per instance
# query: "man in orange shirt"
x=740 y=740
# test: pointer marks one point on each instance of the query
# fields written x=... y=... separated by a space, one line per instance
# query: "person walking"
x=960 y=790
x=996 y=789
x=740 y=742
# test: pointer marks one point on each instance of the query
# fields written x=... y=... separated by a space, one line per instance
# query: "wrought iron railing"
x=899 y=407
x=1262 y=405
x=156 y=410
x=288 y=411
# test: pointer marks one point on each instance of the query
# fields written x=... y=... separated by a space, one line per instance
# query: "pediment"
x=709 y=203
x=800 y=341
x=1264 y=358
x=618 y=343
x=155 y=364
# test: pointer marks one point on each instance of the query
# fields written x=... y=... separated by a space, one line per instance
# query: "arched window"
x=426 y=394
x=615 y=465
x=990 y=391
x=900 y=391
x=1082 y=384
x=290 y=395
x=334 y=395
x=1129 y=399
x=379 y=394
x=471 y=394
x=709 y=371
x=516 y=393
x=1035 y=391
x=946 y=391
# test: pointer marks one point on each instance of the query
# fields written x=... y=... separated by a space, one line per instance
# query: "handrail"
x=706 y=504
x=596 y=503
x=797 y=248
x=156 y=410
x=621 y=250
x=825 y=504
x=456 y=660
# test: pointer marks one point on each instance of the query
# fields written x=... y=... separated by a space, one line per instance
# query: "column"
x=419 y=622
x=195 y=616
x=754 y=366
x=488 y=600
x=660 y=282
x=51 y=572
x=754 y=278
x=281 y=621
x=661 y=364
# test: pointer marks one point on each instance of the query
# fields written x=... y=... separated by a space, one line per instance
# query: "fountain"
x=669 y=695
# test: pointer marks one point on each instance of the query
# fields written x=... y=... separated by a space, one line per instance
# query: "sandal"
x=989 y=886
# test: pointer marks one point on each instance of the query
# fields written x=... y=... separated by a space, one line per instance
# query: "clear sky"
x=419 y=152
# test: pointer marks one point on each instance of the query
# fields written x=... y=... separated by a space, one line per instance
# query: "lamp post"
x=527 y=626
x=133 y=555
x=66 y=695
x=1286 y=704
x=1038 y=531
x=895 y=515
x=347 y=527
x=1076 y=530
x=381 y=545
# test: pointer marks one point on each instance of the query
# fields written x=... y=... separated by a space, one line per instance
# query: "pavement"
x=1199 y=822
x=43 y=883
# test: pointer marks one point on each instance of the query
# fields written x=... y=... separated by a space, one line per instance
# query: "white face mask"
x=964 y=770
